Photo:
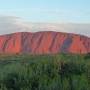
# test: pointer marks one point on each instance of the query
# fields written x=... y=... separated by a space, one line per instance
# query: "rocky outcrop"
x=46 y=42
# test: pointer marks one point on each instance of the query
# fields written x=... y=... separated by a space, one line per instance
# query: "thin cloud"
x=14 y=24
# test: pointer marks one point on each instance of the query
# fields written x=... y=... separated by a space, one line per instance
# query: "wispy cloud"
x=9 y=24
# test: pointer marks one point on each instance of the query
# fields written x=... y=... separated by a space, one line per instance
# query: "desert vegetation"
x=45 y=72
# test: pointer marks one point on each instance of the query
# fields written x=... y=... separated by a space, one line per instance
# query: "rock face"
x=46 y=42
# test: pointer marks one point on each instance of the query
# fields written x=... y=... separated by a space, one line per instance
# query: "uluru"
x=44 y=42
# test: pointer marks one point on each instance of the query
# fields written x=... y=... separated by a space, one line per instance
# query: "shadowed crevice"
x=53 y=41
x=5 y=44
x=66 y=44
x=25 y=43
x=39 y=41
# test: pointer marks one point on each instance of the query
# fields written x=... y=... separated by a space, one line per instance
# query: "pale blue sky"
x=76 y=11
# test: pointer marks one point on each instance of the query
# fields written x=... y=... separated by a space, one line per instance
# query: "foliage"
x=45 y=72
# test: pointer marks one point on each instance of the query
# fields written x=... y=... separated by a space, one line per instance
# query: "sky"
x=57 y=11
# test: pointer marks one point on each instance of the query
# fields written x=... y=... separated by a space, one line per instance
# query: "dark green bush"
x=46 y=72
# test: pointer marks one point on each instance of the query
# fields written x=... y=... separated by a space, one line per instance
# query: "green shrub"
x=44 y=72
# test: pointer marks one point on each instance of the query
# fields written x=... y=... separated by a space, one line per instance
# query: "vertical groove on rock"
x=66 y=44
x=5 y=44
x=25 y=43
x=39 y=41
x=53 y=41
